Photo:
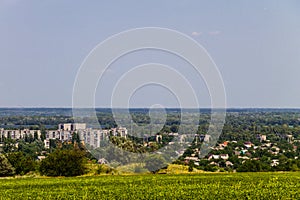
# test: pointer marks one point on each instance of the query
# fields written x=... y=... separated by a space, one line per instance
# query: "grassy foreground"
x=185 y=186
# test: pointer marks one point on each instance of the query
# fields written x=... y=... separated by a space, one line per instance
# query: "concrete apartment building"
x=72 y=126
x=92 y=137
x=19 y=134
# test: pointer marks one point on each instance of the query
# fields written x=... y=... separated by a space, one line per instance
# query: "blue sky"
x=255 y=44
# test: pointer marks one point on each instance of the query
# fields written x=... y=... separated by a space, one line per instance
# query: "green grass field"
x=194 y=186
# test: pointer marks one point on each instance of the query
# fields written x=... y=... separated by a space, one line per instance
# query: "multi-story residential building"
x=92 y=137
x=72 y=126
x=19 y=134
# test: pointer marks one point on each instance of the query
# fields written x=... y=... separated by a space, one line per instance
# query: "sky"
x=254 y=44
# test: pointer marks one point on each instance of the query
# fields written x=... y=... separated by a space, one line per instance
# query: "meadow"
x=160 y=186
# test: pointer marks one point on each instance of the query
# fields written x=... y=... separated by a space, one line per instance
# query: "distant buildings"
x=92 y=137
x=72 y=126
x=262 y=138
x=64 y=133
x=248 y=144
x=289 y=138
x=19 y=134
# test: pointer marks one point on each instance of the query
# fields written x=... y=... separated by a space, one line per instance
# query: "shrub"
x=104 y=169
x=138 y=169
x=190 y=169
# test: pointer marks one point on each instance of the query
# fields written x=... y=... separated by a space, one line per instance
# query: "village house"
x=274 y=162
x=224 y=156
x=248 y=144
x=228 y=164
x=262 y=138
x=213 y=157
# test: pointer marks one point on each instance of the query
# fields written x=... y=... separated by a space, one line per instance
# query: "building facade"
x=92 y=137
x=19 y=134
x=64 y=133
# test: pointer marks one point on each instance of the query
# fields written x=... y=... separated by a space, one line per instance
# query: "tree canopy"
x=64 y=162
x=6 y=169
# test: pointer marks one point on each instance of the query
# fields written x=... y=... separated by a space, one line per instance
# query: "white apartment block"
x=72 y=126
x=18 y=134
x=92 y=137
x=64 y=133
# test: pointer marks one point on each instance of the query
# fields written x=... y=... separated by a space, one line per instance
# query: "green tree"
x=191 y=168
x=53 y=143
x=22 y=164
x=9 y=145
x=36 y=137
x=253 y=166
x=30 y=138
x=31 y=149
x=64 y=162
x=6 y=169
x=75 y=138
x=26 y=139
x=154 y=163
x=43 y=132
